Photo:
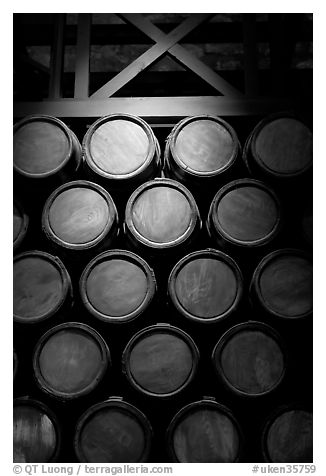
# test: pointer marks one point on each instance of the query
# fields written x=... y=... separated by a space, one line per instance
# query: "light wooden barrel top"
x=247 y=213
x=285 y=284
x=161 y=362
x=111 y=435
x=119 y=147
x=204 y=145
x=116 y=287
x=290 y=437
x=252 y=361
x=37 y=287
x=40 y=147
x=70 y=360
x=79 y=215
x=206 y=287
x=161 y=214
x=284 y=145
x=35 y=439
x=206 y=436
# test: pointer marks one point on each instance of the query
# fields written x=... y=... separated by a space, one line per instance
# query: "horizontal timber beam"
x=162 y=109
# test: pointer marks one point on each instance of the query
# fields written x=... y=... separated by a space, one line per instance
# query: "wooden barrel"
x=279 y=148
x=288 y=436
x=45 y=151
x=121 y=151
x=70 y=360
x=36 y=432
x=206 y=286
x=250 y=359
x=244 y=214
x=41 y=287
x=201 y=150
x=20 y=224
x=204 y=432
x=282 y=284
x=160 y=360
x=113 y=431
x=80 y=219
x=161 y=215
x=117 y=286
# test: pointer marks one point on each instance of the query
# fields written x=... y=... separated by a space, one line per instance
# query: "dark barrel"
x=244 y=214
x=80 y=218
x=279 y=148
x=161 y=215
x=36 y=432
x=204 y=432
x=160 y=360
x=206 y=286
x=121 y=151
x=41 y=287
x=113 y=431
x=250 y=359
x=117 y=286
x=70 y=360
x=282 y=284
x=20 y=224
x=201 y=151
x=46 y=152
x=288 y=436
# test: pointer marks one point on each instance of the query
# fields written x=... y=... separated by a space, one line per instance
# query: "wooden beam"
x=187 y=59
x=205 y=72
x=57 y=53
x=159 y=108
x=142 y=62
x=82 y=57
x=250 y=54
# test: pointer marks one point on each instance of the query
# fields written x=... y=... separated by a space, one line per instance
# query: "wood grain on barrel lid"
x=161 y=362
x=204 y=145
x=37 y=287
x=286 y=285
x=252 y=361
x=284 y=145
x=18 y=222
x=206 y=287
x=290 y=438
x=116 y=287
x=35 y=439
x=40 y=147
x=119 y=146
x=247 y=213
x=70 y=360
x=206 y=436
x=111 y=435
x=161 y=214
x=79 y=215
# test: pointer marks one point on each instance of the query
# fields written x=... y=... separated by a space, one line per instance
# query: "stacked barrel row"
x=180 y=281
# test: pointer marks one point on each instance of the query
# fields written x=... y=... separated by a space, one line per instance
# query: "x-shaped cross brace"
x=166 y=43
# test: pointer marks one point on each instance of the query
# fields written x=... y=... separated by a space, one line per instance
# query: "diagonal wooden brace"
x=183 y=56
x=163 y=44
